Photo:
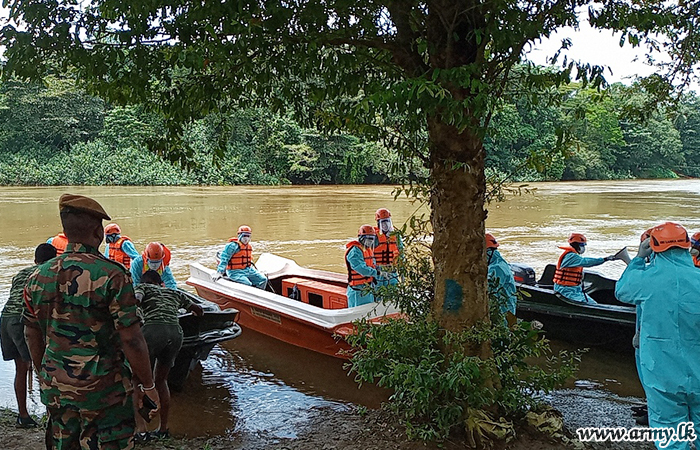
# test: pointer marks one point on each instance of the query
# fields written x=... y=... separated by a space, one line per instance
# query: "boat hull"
x=280 y=326
x=298 y=320
x=609 y=324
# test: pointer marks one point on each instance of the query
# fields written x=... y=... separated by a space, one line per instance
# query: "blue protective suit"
x=356 y=294
x=127 y=247
x=248 y=276
x=575 y=293
x=137 y=271
x=500 y=270
x=668 y=290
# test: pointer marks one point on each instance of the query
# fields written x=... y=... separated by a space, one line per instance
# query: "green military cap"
x=75 y=202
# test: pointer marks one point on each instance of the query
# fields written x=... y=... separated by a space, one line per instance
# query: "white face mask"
x=244 y=239
x=367 y=241
x=154 y=265
x=385 y=226
x=582 y=249
x=694 y=251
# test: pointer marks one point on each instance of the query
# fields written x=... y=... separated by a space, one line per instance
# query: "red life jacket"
x=117 y=254
x=355 y=278
x=696 y=261
x=387 y=249
x=60 y=241
x=165 y=263
x=243 y=258
x=568 y=276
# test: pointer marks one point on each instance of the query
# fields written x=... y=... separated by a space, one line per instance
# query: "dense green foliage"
x=57 y=134
x=438 y=388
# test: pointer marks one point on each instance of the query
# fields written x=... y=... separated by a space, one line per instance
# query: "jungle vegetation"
x=55 y=133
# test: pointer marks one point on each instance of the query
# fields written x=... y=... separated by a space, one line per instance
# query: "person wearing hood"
x=568 y=276
x=156 y=257
x=119 y=248
x=499 y=271
x=669 y=336
x=362 y=268
x=236 y=261
x=388 y=248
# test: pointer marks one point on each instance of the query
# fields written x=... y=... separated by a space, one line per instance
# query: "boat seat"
x=316 y=293
x=547 y=278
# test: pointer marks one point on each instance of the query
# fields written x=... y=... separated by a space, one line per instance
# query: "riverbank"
x=333 y=429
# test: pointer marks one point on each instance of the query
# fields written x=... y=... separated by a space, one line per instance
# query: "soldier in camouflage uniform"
x=160 y=307
x=82 y=327
x=14 y=347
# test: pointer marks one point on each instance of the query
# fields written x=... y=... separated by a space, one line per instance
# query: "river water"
x=258 y=385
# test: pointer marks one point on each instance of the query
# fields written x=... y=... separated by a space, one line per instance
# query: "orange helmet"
x=244 y=229
x=113 y=228
x=154 y=251
x=668 y=235
x=366 y=230
x=577 y=238
x=382 y=213
x=491 y=241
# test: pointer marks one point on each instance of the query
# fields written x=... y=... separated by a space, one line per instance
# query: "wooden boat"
x=303 y=307
x=608 y=324
x=201 y=334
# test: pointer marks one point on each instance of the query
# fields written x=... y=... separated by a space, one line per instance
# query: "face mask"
x=582 y=249
x=367 y=241
x=154 y=265
x=112 y=238
x=243 y=239
x=694 y=251
x=385 y=226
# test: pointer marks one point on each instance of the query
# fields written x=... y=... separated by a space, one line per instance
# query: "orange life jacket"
x=696 y=261
x=165 y=263
x=60 y=241
x=355 y=278
x=568 y=276
x=243 y=258
x=117 y=254
x=387 y=249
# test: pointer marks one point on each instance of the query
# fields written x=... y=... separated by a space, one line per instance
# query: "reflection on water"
x=255 y=384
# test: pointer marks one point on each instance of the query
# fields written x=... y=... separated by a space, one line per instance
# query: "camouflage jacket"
x=161 y=304
x=15 y=303
x=79 y=301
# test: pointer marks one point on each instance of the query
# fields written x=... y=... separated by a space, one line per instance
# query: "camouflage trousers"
x=111 y=428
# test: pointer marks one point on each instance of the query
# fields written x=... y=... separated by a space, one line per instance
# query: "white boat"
x=300 y=306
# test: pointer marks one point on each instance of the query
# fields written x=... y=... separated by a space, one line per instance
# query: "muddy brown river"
x=258 y=385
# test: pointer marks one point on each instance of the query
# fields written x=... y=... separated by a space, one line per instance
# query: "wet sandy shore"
x=333 y=429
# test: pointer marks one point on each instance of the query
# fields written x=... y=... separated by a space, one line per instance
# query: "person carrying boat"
x=14 y=347
x=59 y=242
x=388 y=248
x=695 y=249
x=156 y=257
x=119 y=248
x=163 y=334
x=502 y=276
x=667 y=289
x=362 y=270
x=568 y=276
x=84 y=335
x=236 y=261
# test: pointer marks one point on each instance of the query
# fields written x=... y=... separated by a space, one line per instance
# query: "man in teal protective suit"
x=499 y=270
x=361 y=265
x=569 y=273
x=668 y=289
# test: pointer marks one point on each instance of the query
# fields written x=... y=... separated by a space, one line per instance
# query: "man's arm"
x=229 y=250
x=168 y=278
x=130 y=250
x=35 y=343
x=358 y=264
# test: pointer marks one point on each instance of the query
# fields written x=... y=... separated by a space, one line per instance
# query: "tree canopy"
x=379 y=68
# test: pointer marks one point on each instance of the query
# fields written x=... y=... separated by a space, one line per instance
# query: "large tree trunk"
x=457 y=215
